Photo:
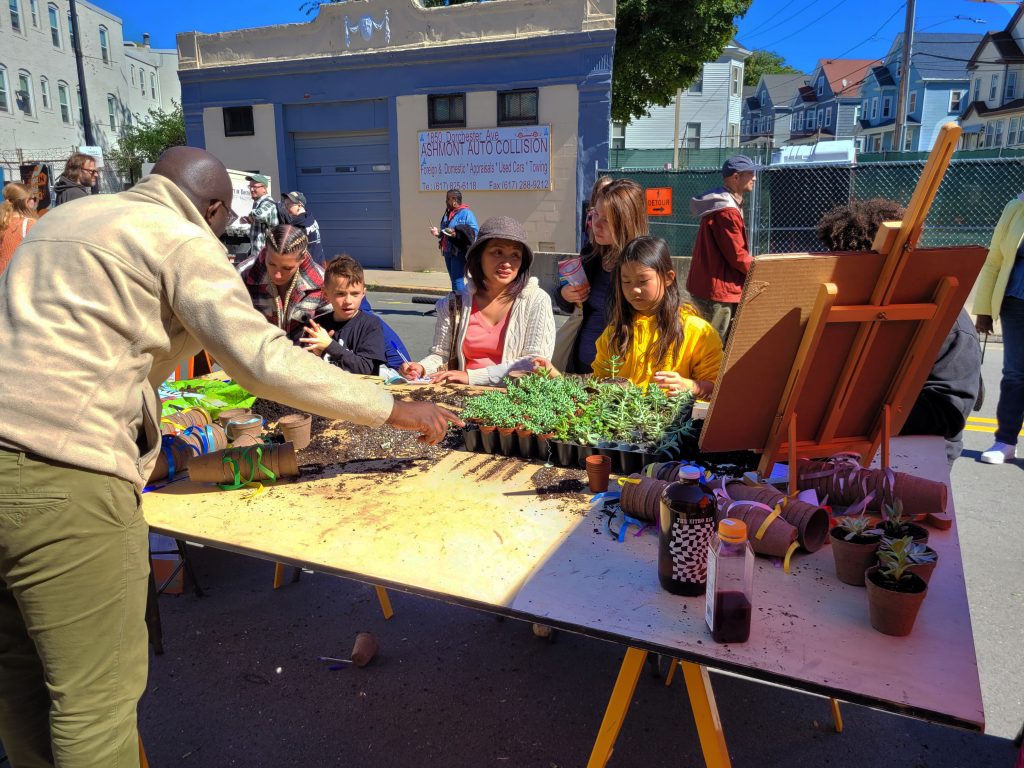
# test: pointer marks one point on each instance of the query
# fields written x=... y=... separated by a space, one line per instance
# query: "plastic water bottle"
x=730 y=583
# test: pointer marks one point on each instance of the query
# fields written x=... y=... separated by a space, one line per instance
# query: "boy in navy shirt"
x=346 y=337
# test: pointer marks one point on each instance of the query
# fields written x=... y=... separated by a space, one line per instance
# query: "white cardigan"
x=530 y=333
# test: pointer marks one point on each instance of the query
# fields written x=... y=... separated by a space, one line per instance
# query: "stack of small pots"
x=245 y=464
x=641 y=497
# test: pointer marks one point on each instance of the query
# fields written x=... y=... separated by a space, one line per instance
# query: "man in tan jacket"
x=99 y=304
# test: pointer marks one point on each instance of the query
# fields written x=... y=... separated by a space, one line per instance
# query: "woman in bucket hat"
x=499 y=322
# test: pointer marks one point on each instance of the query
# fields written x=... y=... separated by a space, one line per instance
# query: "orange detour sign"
x=659 y=201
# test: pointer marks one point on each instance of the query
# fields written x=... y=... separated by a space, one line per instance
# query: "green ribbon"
x=253 y=466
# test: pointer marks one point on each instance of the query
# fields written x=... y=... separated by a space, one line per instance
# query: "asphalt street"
x=240 y=683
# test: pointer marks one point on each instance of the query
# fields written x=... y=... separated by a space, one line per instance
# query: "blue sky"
x=801 y=30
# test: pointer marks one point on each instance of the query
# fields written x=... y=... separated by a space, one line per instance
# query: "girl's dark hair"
x=454 y=193
x=285 y=238
x=651 y=252
x=852 y=227
x=475 y=264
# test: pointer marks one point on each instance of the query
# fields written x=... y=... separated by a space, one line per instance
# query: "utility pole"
x=675 y=133
x=900 y=127
x=89 y=139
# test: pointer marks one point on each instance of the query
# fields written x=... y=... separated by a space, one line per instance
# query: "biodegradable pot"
x=489 y=438
x=598 y=469
x=853 y=558
x=212 y=467
x=527 y=443
x=894 y=612
x=182 y=420
x=565 y=453
x=253 y=425
x=296 y=427
x=365 y=648
x=471 y=437
x=642 y=500
x=924 y=570
x=205 y=439
x=174 y=455
x=233 y=414
x=544 y=449
x=508 y=441
x=777 y=537
x=243 y=440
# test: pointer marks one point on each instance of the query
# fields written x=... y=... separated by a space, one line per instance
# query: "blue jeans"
x=1010 y=410
x=455 y=263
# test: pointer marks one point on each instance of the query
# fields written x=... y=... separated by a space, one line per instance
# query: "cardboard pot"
x=182 y=420
x=892 y=612
x=233 y=414
x=252 y=425
x=216 y=467
x=296 y=427
x=172 y=460
x=205 y=439
x=853 y=558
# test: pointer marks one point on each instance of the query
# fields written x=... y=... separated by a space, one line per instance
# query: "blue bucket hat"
x=738 y=164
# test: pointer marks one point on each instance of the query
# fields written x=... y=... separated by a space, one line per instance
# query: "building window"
x=977 y=90
x=54 y=25
x=104 y=47
x=71 y=31
x=864 y=108
x=821 y=86
x=81 y=112
x=737 y=81
x=33 y=7
x=998 y=137
x=142 y=82
x=112 y=112
x=955 y=101
x=1011 y=134
x=908 y=139
x=856 y=113
x=692 y=136
x=912 y=103
x=152 y=85
x=799 y=122
x=877 y=143
x=446 y=110
x=517 y=107
x=238 y=121
x=5 y=101
x=993 y=88
x=618 y=135
x=763 y=98
x=828 y=116
x=1011 y=86
x=44 y=89
x=812 y=121
x=697 y=86
x=821 y=116
x=989 y=132
x=64 y=99
x=886 y=107
x=24 y=94
x=15 y=15
x=874 y=108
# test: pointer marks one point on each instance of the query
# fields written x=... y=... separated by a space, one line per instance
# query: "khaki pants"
x=73 y=644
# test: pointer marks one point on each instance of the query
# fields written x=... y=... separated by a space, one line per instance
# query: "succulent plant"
x=857 y=526
x=917 y=553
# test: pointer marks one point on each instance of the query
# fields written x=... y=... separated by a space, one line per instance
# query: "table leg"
x=705 y=713
x=385 y=602
x=837 y=716
x=615 y=715
x=278 y=575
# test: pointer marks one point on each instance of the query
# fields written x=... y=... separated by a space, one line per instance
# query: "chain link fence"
x=788 y=201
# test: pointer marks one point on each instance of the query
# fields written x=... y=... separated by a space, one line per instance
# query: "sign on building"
x=37 y=176
x=480 y=159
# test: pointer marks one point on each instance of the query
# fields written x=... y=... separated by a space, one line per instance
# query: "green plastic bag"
x=211 y=395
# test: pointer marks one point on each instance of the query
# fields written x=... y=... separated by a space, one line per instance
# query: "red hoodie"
x=721 y=258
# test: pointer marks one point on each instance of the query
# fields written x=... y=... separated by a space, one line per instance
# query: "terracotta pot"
x=233 y=414
x=471 y=437
x=527 y=443
x=853 y=558
x=253 y=425
x=893 y=613
x=296 y=427
x=507 y=441
x=365 y=649
x=598 y=469
x=565 y=453
x=489 y=439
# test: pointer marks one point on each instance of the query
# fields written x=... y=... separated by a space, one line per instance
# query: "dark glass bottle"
x=687 y=522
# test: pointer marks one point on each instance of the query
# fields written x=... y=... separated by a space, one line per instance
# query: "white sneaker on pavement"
x=999 y=453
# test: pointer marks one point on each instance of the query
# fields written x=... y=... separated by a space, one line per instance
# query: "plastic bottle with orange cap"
x=730 y=583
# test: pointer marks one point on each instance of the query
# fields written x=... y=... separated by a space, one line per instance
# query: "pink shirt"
x=484 y=343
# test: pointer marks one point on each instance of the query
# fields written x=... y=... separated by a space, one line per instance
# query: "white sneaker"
x=999 y=453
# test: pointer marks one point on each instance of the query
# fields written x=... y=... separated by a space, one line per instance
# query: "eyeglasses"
x=232 y=216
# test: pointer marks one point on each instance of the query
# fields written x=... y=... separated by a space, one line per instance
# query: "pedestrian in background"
x=1000 y=294
x=455 y=235
x=17 y=215
x=721 y=256
x=263 y=216
x=294 y=205
x=79 y=177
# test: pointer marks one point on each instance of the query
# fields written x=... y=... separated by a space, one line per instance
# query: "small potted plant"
x=855 y=541
x=923 y=558
x=896 y=524
x=895 y=593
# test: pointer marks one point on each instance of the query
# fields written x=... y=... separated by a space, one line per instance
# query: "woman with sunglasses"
x=17 y=215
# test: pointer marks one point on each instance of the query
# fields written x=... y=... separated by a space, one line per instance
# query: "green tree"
x=765 y=63
x=146 y=139
x=659 y=47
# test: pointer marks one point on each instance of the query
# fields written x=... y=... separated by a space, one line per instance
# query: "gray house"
x=767 y=110
x=828 y=106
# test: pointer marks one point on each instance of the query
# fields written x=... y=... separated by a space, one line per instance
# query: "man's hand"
x=430 y=420
x=575 y=293
x=316 y=339
x=449 y=377
x=411 y=371
x=983 y=324
x=244 y=220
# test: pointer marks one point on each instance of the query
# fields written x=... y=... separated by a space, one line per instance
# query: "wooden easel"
x=829 y=351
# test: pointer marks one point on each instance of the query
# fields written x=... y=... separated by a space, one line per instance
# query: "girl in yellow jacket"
x=651 y=336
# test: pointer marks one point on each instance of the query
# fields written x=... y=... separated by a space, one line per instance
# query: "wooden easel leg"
x=705 y=714
x=886 y=433
x=837 y=716
x=671 y=672
x=143 y=762
x=615 y=714
x=792 y=457
x=385 y=602
x=278 y=575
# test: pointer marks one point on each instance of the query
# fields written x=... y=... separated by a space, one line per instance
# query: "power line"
x=783 y=21
x=808 y=24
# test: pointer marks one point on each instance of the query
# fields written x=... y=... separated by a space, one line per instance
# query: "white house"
x=994 y=116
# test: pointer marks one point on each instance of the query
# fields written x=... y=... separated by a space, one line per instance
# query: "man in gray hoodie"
x=721 y=256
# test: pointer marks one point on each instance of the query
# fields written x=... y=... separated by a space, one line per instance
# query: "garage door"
x=346 y=178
